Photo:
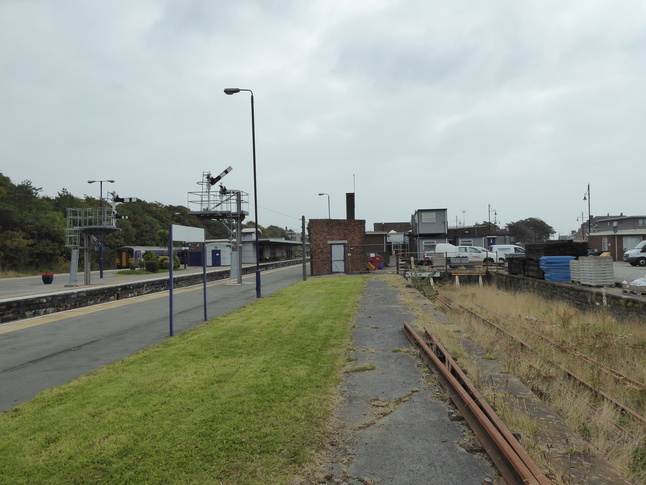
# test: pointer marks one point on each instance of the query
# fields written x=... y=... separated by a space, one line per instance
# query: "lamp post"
x=328 y=204
x=230 y=91
x=100 y=221
x=495 y=213
x=586 y=196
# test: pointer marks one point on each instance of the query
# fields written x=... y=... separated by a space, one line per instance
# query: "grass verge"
x=243 y=399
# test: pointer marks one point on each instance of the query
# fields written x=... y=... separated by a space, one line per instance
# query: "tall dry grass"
x=586 y=342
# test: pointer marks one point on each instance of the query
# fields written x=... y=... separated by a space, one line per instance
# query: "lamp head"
x=230 y=91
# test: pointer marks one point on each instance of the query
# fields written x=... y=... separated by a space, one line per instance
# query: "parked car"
x=477 y=254
x=502 y=250
x=637 y=255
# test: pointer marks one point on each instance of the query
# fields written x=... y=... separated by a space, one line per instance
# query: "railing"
x=234 y=202
x=81 y=219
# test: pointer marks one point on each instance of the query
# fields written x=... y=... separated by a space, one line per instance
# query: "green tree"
x=530 y=230
x=275 y=232
x=15 y=249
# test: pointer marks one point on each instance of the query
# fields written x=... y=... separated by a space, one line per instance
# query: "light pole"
x=586 y=196
x=100 y=221
x=495 y=213
x=230 y=91
x=328 y=204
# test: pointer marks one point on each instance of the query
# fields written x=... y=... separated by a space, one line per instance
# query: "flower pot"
x=47 y=278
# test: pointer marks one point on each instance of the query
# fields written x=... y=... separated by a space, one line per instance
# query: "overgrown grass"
x=243 y=399
x=606 y=340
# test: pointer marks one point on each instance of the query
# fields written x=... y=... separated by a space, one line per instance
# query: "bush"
x=163 y=262
x=152 y=265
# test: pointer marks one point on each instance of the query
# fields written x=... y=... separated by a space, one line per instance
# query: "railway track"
x=614 y=373
x=509 y=457
x=520 y=346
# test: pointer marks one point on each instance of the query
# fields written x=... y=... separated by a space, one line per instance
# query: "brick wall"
x=322 y=231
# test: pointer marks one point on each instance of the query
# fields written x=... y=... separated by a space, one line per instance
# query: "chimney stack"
x=349 y=206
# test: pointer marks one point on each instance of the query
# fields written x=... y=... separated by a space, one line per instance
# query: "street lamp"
x=100 y=221
x=495 y=213
x=230 y=91
x=586 y=196
x=328 y=204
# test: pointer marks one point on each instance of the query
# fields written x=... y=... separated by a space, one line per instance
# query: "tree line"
x=32 y=227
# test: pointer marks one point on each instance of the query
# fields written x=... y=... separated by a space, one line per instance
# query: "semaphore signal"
x=215 y=180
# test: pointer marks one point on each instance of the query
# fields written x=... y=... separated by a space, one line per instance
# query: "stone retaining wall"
x=583 y=297
x=34 y=306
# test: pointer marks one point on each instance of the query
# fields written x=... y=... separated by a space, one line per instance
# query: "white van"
x=477 y=254
x=449 y=250
x=637 y=255
x=502 y=250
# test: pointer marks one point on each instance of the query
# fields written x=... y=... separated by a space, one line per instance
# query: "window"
x=641 y=222
x=604 y=244
x=429 y=218
x=429 y=245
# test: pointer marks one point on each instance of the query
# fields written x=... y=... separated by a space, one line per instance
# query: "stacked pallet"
x=556 y=268
x=556 y=248
x=595 y=271
x=515 y=265
x=575 y=271
x=638 y=286
x=532 y=269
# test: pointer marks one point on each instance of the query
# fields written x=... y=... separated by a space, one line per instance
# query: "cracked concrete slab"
x=395 y=430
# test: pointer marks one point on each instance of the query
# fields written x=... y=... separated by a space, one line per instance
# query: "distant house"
x=616 y=234
x=218 y=251
x=481 y=235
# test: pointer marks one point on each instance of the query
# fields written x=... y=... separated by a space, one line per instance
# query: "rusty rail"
x=625 y=410
x=511 y=460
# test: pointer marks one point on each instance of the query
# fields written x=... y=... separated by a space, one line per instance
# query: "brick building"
x=337 y=246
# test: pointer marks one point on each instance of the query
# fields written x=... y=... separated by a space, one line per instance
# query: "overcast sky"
x=504 y=109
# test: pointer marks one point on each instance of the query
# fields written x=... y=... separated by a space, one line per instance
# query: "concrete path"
x=395 y=426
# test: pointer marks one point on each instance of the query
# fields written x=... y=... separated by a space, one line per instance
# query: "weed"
x=362 y=368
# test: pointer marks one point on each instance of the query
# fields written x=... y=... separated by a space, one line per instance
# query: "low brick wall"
x=35 y=306
x=583 y=297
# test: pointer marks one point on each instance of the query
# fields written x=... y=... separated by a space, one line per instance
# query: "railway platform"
x=393 y=426
x=33 y=285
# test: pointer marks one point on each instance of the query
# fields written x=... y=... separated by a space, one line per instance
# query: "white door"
x=337 y=252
